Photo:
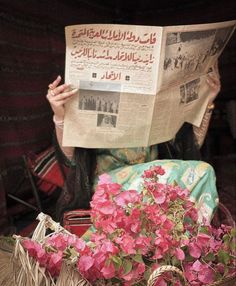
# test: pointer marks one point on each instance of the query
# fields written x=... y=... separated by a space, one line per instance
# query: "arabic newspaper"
x=138 y=84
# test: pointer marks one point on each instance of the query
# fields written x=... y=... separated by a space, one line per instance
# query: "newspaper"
x=138 y=84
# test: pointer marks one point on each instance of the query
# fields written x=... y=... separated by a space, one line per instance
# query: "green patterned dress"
x=127 y=165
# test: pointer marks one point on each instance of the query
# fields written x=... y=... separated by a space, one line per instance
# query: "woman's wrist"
x=59 y=122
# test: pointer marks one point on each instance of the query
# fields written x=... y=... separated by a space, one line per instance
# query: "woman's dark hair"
x=78 y=189
x=182 y=147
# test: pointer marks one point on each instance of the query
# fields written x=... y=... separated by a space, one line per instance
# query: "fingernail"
x=75 y=90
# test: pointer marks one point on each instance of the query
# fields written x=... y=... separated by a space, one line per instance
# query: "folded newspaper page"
x=138 y=84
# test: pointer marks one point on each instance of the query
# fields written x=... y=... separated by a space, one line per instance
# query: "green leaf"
x=117 y=261
x=175 y=261
x=204 y=229
x=210 y=257
x=147 y=273
x=179 y=227
x=233 y=246
x=226 y=271
x=144 y=191
x=188 y=258
x=233 y=232
x=218 y=276
x=127 y=266
x=226 y=238
x=138 y=258
x=224 y=257
x=175 y=183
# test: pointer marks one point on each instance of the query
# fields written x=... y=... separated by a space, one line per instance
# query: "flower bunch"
x=137 y=232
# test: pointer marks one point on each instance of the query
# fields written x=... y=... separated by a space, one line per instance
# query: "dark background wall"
x=32 y=54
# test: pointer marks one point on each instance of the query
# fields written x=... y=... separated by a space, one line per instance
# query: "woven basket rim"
x=169 y=268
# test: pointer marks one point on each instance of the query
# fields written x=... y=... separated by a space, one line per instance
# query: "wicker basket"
x=31 y=271
x=222 y=212
x=229 y=281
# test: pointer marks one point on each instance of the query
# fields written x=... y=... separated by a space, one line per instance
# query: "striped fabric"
x=47 y=169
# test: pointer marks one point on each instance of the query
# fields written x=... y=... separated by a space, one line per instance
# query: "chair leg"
x=34 y=188
x=22 y=202
x=37 y=206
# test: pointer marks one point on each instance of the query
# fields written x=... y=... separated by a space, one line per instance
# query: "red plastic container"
x=77 y=221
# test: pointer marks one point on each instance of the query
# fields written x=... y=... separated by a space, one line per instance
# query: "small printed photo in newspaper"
x=99 y=101
x=190 y=52
x=106 y=120
x=189 y=91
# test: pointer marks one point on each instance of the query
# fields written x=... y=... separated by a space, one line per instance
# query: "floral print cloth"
x=126 y=167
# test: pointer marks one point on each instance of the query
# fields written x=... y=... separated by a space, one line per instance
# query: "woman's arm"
x=57 y=96
x=213 y=81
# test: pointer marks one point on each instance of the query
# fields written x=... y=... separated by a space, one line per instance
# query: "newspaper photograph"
x=178 y=104
x=192 y=51
x=137 y=84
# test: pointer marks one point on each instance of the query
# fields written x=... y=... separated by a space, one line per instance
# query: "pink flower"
x=97 y=237
x=85 y=263
x=114 y=189
x=197 y=266
x=99 y=258
x=100 y=192
x=54 y=263
x=130 y=222
x=153 y=172
x=194 y=250
x=185 y=242
x=127 y=197
x=32 y=247
x=179 y=253
x=182 y=193
x=108 y=246
x=206 y=275
x=220 y=267
x=148 y=174
x=42 y=257
x=143 y=243
x=126 y=243
x=203 y=239
x=108 y=270
x=106 y=225
x=136 y=271
x=59 y=241
x=159 y=170
x=106 y=207
x=177 y=283
x=189 y=273
x=104 y=179
x=192 y=213
x=79 y=244
x=159 y=197
x=160 y=282
x=168 y=224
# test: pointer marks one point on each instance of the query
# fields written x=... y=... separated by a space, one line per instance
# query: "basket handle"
x=161 y=270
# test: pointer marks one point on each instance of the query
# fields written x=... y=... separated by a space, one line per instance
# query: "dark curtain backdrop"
x=32 y=53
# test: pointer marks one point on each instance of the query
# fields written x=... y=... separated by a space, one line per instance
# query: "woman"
x=126 y=165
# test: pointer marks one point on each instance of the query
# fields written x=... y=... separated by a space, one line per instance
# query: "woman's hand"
x=213 y=81
x=57 y=96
